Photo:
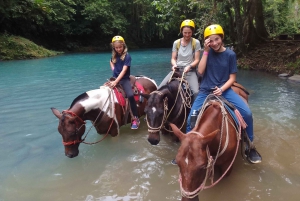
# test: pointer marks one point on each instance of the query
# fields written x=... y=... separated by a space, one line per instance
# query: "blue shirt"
x=119 y=66
x=219 y=66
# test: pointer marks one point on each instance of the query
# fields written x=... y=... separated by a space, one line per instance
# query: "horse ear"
x=177 y=132
x=56 y=112
x=145 y=95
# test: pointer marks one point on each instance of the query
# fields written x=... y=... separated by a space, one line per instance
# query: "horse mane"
x=78 y=98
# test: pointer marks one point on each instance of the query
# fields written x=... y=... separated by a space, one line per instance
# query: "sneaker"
x=174 y=162
x=135 y=123
x=253 y=156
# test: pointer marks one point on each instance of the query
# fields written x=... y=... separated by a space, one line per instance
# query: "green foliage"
x=14 y=47
x=282 y=17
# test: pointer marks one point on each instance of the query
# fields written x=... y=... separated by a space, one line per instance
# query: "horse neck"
x=78 y=110
x=211 y=118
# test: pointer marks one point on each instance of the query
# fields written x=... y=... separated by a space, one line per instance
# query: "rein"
x=211 y=161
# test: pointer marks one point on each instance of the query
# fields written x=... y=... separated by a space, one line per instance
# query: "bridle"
x=78 y=122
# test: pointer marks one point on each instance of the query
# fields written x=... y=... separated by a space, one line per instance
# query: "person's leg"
x=129 y=93
x=196 y=106
x=252 y=154
x=243 y=108
x=165 y=80
x=192 y=79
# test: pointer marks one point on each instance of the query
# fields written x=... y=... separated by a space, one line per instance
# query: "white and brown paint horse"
x=106 y=108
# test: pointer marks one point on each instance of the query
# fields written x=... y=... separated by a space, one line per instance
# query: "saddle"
x=137 y=88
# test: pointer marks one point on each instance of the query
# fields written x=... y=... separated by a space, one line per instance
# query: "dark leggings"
x=129 y=93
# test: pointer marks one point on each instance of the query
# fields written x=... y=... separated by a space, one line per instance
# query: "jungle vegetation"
x=71 y=24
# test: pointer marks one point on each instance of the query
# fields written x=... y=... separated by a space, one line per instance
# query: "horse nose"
x=153 y=141
x=71 y=154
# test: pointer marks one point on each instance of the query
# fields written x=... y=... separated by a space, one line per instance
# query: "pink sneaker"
x=135 y=123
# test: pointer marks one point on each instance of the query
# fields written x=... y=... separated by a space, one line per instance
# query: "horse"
x=213 y=143
x=106 y=108
x=170 y=103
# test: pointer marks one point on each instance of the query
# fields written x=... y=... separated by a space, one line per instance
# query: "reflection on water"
x=127 y=167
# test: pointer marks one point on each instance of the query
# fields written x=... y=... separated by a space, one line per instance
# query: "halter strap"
x=73 y=115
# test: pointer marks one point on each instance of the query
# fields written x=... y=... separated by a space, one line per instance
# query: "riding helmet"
x=213 y=29
x=120 y=38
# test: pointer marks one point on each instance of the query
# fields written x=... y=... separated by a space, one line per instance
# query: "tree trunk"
x=239 y=26
x=254 y=30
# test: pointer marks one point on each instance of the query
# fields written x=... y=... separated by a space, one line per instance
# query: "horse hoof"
x=253 y=156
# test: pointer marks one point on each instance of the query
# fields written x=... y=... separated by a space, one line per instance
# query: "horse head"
x=193 y=162
x=169 y=103
x=156 y=111
x=71 y=127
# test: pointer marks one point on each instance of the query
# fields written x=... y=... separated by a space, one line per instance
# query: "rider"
x=120 y=64
x=185 y=56
x=218 y=67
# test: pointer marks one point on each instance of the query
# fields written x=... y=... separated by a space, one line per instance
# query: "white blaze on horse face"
x=100 y=99
x=186 y=160
x=153 y=110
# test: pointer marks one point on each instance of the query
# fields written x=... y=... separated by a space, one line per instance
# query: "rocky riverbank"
x=280 y=57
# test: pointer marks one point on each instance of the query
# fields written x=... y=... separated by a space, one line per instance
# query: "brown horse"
x=213 y=143
x=170 y=103
x=104 y=107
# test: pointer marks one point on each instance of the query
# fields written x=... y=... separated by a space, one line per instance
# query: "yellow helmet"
x=189 y=23
x=117 y=38
x=213 y=29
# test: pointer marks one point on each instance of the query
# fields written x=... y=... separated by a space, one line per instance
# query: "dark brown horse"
x=213 y=143
x=104 y=107
x=170 y=103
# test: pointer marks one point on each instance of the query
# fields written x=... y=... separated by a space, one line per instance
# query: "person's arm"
x=112 y=66
x=203 y=61
x=174 y=60
x=218 y=91
x=120 y=76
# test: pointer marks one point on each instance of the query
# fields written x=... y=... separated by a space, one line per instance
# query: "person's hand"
x=112 y=84
x=217 y=91
x=207 y=45
x=174 y=68
x=187 y=68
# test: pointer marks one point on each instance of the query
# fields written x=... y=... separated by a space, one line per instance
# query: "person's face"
x=187 y=33
x=215 y=42
x=119 y=47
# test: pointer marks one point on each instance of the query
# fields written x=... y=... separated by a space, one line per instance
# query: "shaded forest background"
x=89 y=25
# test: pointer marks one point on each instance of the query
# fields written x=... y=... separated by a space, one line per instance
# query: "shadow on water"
x=127 y=167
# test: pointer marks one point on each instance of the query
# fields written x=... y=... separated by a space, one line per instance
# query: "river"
x=127 y=168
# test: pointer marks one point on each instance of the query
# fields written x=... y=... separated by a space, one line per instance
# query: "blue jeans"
x=233 y=98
